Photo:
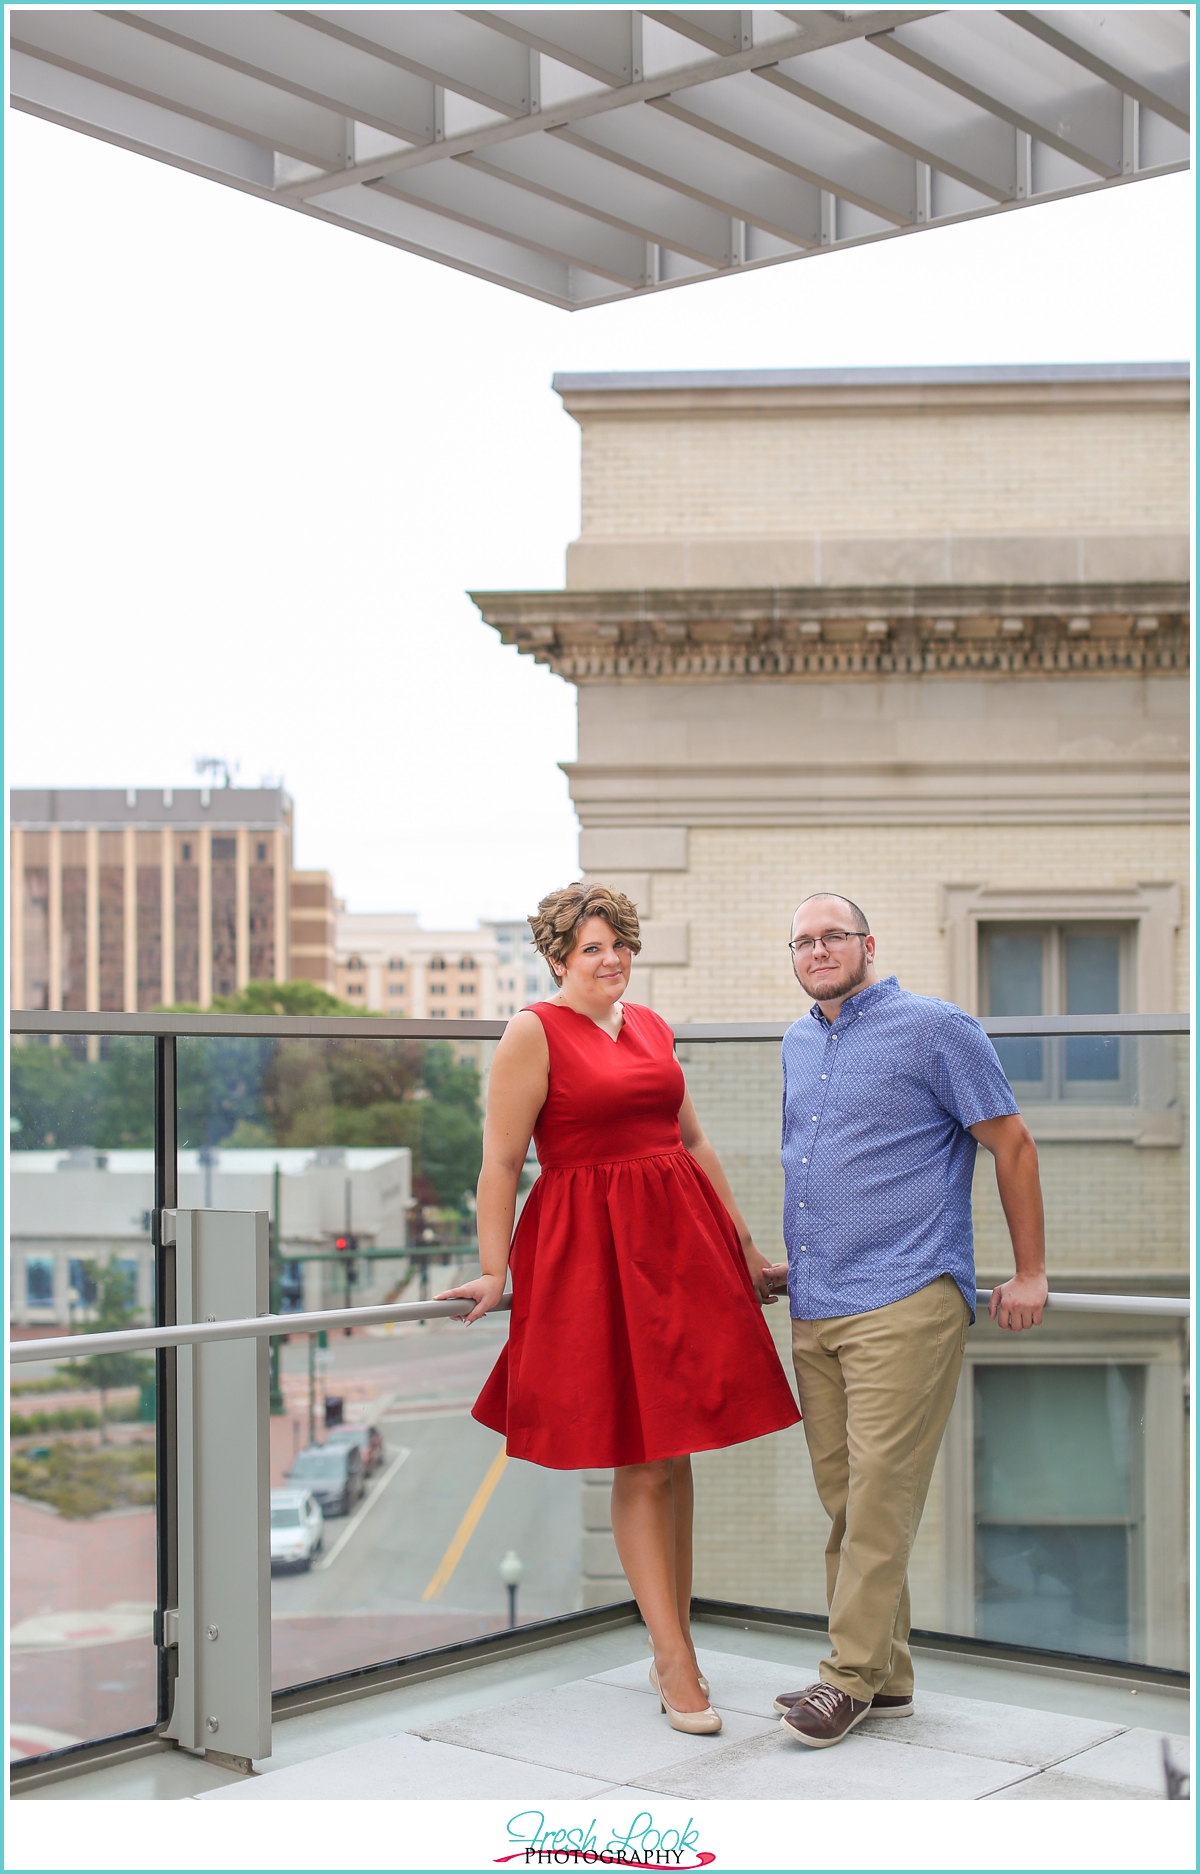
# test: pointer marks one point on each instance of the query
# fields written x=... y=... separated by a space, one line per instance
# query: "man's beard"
x=830 y=992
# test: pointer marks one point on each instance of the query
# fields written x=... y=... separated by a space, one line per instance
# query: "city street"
x=416 y=1565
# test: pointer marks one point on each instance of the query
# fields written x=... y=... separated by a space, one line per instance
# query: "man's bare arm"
x=1018 y=1303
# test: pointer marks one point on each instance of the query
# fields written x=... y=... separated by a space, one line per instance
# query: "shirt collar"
x=857 y=1004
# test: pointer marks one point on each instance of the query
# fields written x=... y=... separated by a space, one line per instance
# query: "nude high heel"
x=703 y=1682
x=697 y=1723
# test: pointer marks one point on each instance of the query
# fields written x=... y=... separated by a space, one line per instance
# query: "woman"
x=636 y=1335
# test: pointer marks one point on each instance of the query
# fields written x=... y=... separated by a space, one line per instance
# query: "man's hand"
x=760 y=1273
x=1018 y=1304
x=777 y=1276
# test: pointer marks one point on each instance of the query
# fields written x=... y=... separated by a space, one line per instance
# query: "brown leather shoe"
x=883 y=1705
x=824 y=1716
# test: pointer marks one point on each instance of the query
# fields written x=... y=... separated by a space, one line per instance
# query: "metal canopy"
x=586 y=155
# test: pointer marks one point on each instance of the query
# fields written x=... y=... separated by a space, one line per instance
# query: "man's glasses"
x=832 y=940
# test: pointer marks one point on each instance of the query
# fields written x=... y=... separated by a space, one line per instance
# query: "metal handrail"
x=254 y=1327
x=197 y=1333
x=1105 y=1304
x=404 y=1028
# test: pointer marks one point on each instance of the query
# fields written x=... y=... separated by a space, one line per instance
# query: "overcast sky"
x=255 y=463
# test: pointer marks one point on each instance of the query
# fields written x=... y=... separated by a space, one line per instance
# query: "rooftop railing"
x=1057 y=1512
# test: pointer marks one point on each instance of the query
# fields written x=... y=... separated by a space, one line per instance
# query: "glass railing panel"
x=1057 y=1513
x=376 y=1144
x=82 y=1530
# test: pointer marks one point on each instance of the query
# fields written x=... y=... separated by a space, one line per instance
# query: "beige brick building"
x=921 y=637
x=136 y=898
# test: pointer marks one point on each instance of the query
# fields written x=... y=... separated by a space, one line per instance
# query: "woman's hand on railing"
x=485 y=1291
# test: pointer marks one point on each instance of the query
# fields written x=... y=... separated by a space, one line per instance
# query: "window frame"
x=1055 y=1089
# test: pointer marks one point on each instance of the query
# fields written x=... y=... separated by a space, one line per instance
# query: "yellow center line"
x=466 y=1529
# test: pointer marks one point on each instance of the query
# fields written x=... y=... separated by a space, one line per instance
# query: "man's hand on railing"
x=1018 y=1304
x=485 y=1291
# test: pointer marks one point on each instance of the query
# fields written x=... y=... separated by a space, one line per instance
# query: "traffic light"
x=346 y=1246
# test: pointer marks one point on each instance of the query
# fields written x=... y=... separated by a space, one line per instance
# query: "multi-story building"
x=387 y=963
x=522 y=974
x=136 y=898
x=76 y=1209
x=920 y=637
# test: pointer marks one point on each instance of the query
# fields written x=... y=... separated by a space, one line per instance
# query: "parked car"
x=333 y=1473
x=297 y=1528
x=368 y=1440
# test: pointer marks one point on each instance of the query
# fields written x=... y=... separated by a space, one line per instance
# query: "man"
x=885 y=1096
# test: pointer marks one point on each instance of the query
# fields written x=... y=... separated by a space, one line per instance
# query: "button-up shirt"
x=877 y=1157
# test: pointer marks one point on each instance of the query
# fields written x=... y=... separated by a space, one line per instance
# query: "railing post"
x=222 y=1703
x=166 y=1197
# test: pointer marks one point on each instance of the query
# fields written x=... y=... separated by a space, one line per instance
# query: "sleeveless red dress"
x=635 y=1331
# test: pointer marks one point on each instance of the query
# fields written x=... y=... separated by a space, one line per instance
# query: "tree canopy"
x=255 y=1090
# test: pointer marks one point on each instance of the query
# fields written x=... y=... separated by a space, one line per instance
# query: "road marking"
x=367 y=1505
x=466 y=1529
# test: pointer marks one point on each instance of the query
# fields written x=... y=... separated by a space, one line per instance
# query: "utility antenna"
x=217 y=766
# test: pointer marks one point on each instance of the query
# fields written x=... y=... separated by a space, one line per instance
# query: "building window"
x=435 y=1012
x=355 y=989
x=81 y=1278
x=1057 y=1521
x=224 y=849
x=355 y=963
x=466 y=963
x=1060 y=969
x=395 y=963
x=395 y=989
x=39 y=1281
x=260 y=852
x=128 y=1267
x=187 y=851
x=437 y=989
x=437 y=963
x=466 y=989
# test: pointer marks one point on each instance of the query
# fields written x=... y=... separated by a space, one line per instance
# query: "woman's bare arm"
x=701 y=1150
x=517 y=1087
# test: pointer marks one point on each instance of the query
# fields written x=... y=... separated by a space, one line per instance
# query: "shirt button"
x=804 y=1161
x=814 y=1119
x=802 y=1206
x=824 y=1076
x=804 y=1249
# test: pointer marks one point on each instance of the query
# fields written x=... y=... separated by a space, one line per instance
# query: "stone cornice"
x=826 y=632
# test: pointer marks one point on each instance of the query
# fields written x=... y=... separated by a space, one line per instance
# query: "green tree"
x=116 y=1308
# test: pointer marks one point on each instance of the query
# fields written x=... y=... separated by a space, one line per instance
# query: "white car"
x=297 y=1528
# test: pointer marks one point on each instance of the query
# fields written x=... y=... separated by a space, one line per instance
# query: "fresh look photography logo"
x=643 y=1843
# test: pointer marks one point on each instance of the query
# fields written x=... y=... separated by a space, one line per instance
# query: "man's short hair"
x=860 y=917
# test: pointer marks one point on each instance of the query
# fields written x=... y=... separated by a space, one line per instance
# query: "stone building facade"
x=921 y=637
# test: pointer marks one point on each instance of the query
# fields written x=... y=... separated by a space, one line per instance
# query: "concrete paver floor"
x=579 y=1718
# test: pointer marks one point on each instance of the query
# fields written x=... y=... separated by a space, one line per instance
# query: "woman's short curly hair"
x=559 y=917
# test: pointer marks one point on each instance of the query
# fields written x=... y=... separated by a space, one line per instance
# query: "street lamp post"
x=512 y=1572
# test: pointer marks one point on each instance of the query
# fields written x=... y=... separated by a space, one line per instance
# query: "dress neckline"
x=614 y=1039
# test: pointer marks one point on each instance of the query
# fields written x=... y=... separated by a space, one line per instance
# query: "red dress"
x=635 y=1331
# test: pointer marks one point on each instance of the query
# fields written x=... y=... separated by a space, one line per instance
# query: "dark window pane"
x=39 y=1282
x=1054 y=1509
x=1093 y=972
x=1062 y=1588
x=1093 y=988
x=1014 y=979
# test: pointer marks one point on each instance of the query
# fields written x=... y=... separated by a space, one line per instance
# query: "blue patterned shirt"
x=877 y=1157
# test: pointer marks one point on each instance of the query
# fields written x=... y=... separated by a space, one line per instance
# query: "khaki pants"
x=876 y=1390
